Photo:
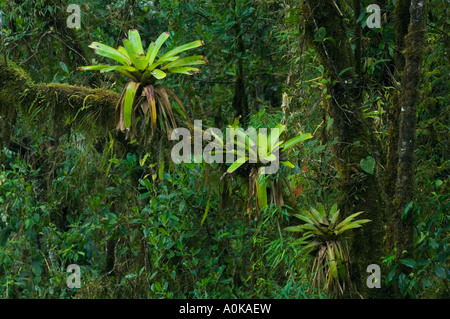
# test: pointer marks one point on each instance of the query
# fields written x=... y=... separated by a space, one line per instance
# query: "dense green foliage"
x=142 y=227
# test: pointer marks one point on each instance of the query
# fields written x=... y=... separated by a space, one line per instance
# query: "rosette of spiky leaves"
x=144 y=69
x=260 y=150
x=322 y=237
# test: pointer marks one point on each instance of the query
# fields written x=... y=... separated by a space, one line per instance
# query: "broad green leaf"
x=238 y=163
x=409 y=262
x=332 y=261
x=440 y=271
x=118 y=68
x=161 y=168
x=407 y=209
x=109 y=52
x=390 y=277
x=347 y=227
x=288 y=164
x=306 y=239
x=190 y=60
x=296 y=140
x=305 y=218
x=262 y=144
x=161 y=61
x=149 y=92
x=138 y=60
x=181 y=48
x=126 y=70
x=153 y=52
x=312 y=245
x=184 y=70
x=267 y=158
x=294 y=228
x=135 y=39
x=345 y=70
x=150 y=49
x=244 y=137
x=130 y=93
x=316 y=214
x=321 y=210
x=402 y=283
x=93 y=67
x=158 y=74
x=64 y=67
x=206 y=211
x=274 y=136
x=309 y=227
x=261 y=191
x=334 y=217
x=333 y=209
x=122 y=50
x=348 y=219
x=367 y=164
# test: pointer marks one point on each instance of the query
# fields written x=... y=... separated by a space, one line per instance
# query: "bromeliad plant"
x=260 y=153
x=143 y=70
x=322 y=237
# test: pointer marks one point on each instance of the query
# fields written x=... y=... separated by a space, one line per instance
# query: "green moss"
x=358 y=190
x=401 y=21
x=60 y=106
x=335 y=53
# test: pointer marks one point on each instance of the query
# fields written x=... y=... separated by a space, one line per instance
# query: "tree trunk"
x=358 y=190
x=240 y=103
x=414 y=44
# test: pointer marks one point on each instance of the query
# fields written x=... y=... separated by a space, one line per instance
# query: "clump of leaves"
x=144 y=69
x=261 y=153
x=322 y=238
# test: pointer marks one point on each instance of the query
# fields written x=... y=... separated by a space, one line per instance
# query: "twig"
x=37 y=48
x=339 y=10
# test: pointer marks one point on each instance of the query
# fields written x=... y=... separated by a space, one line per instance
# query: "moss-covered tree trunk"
x=358 y=191
x=414 y=48
x=240 y=102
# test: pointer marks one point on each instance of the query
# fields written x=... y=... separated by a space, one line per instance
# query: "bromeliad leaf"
x=153 y=50
x=184 y=70
x=274 y=136
x=181 y=48
x=135 y=39
x=138 y=59
x=93 y=67
x=130 y=93
x=158 y=74
x=296 y=140
x=118 y=68
x=109 y=52
x=190 y=60
x=238 y=163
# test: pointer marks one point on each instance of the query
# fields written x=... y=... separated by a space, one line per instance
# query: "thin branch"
x=37 y=48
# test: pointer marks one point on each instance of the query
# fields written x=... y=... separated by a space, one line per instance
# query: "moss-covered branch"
x=59 y=106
